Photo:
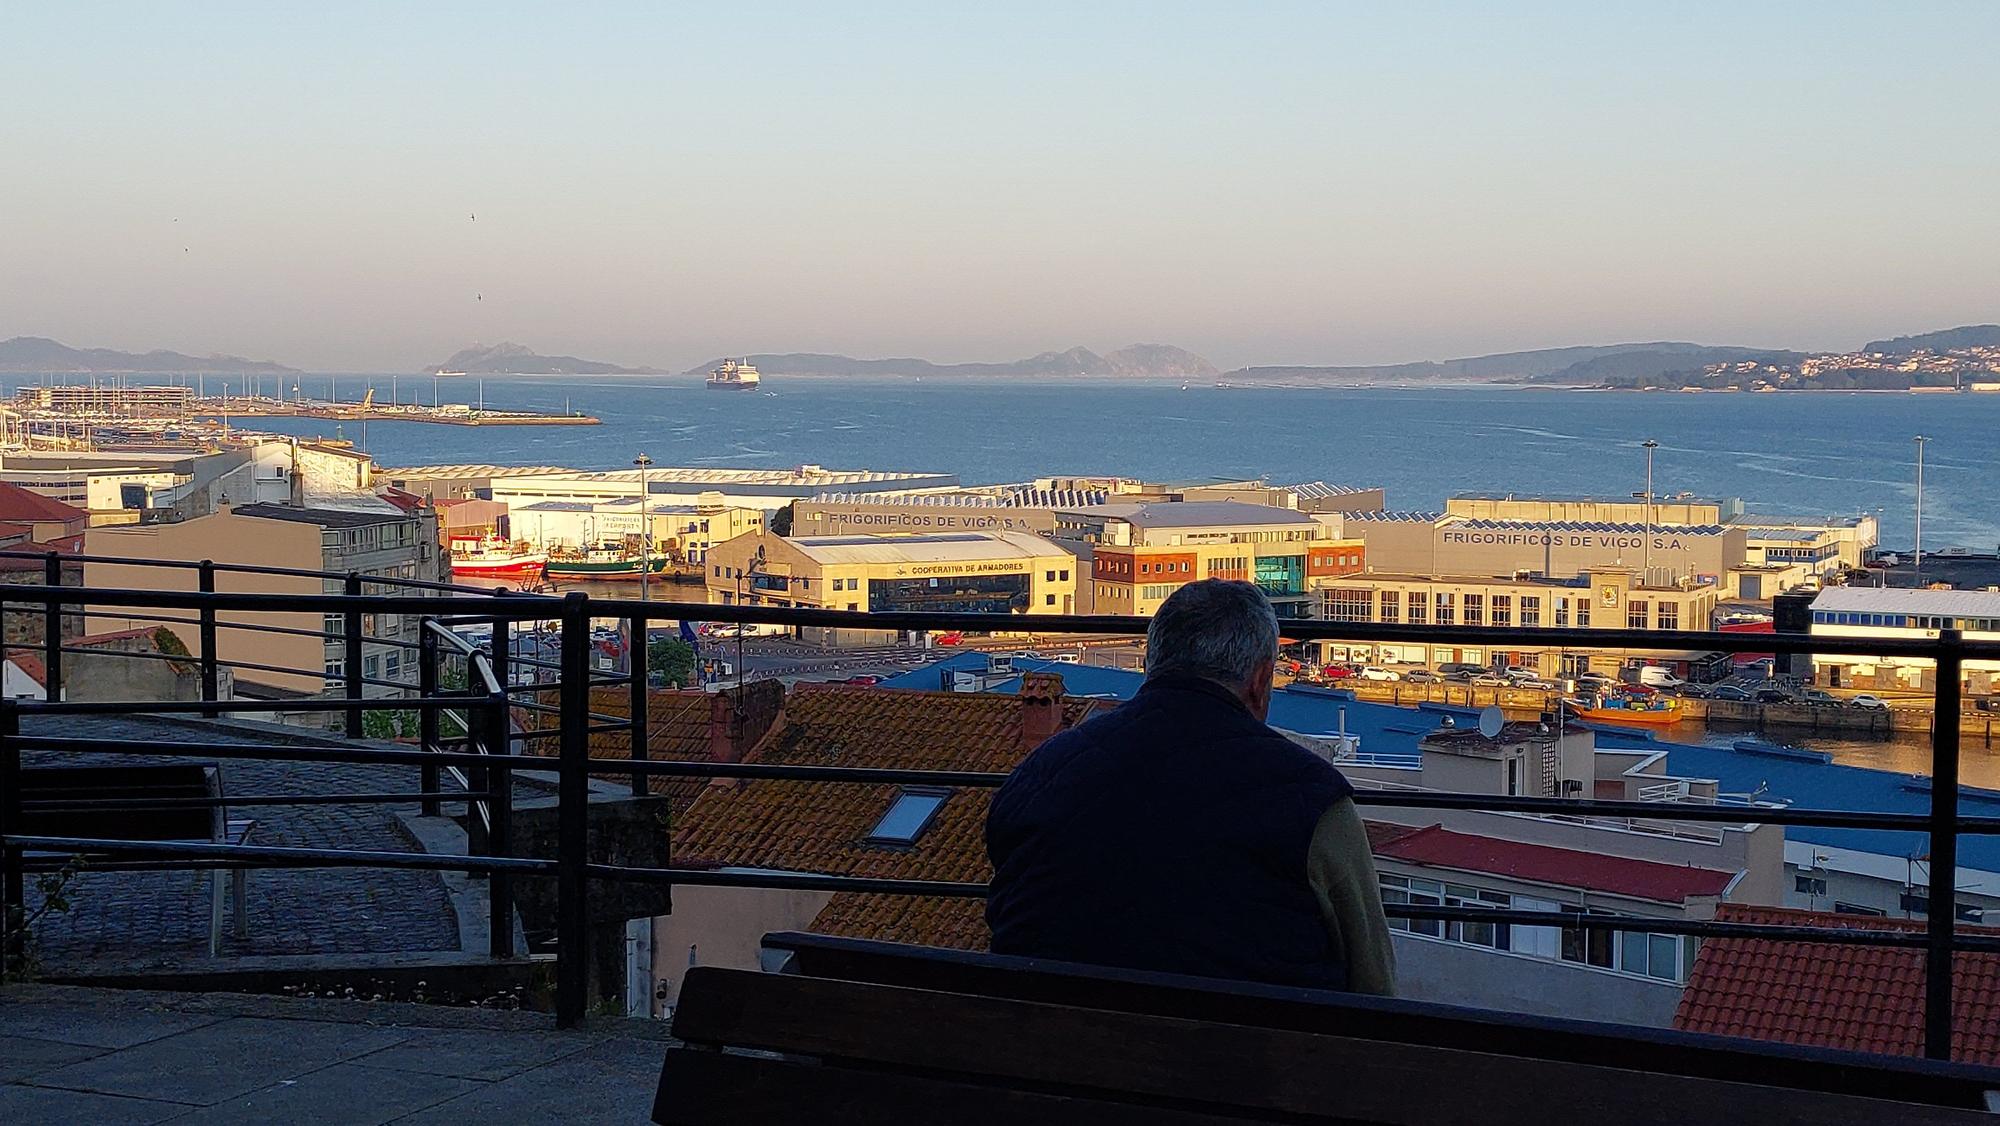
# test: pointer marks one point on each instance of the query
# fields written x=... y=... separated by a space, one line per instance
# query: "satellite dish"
x=1491 y=720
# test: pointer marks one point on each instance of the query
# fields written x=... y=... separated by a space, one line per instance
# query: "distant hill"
x=38 y=353
x=1136 y=360
x=507 y=358
x=1647 y=367
x=1544 y=364
x=1965 y=336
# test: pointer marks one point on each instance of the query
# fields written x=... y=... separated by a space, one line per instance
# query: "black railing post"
x=573 y=817
x=13 y=886
x=211 y=674
x=351 y=626
x=478 y=841
x=500 y=833
x=427 y=715
x=503 y=648
x=640 y=661
x=52 y=653
x=1942 y=932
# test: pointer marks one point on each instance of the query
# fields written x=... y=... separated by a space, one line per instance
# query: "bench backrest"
x=985 y=1059
x=83 y=789
x=1395 y=1020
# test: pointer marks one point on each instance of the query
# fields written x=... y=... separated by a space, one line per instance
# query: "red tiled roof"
x=32 y=665
x=823 y=826
x=1860 y=998
x=1380 y=833
x=19 y=504
x=1439 y=847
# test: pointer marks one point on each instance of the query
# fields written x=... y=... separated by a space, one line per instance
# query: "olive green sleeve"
x=1341 y=868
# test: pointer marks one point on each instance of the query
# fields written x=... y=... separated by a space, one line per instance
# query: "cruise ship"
x=734 y=376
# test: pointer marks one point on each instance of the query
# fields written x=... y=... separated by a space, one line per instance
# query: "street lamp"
x=1917 y=556
x=645 y=526
x=1646 y=550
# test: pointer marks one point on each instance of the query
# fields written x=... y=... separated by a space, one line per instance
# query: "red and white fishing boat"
x=495 y=558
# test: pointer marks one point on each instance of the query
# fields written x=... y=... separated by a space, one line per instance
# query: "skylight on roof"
x=908 y=816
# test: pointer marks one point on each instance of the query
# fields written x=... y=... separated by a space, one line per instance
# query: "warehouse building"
x=1914 y=615
x=1139 y=554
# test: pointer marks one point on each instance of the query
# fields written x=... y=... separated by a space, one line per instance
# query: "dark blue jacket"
x=1170 y=834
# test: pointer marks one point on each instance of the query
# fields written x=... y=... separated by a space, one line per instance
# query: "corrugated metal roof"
x=1894 y=600
x=1197 y=513
x=1320 y=490
x=960 y=547
x=1023 y=498
x=1405 y=516
x=1483 y=525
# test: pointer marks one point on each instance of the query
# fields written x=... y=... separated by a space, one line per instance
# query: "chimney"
x=725 y=728
x=1041 y=699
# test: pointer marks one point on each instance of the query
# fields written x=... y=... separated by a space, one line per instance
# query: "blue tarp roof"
x=1807 y=779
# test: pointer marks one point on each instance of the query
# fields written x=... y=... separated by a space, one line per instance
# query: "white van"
x=1654 y=676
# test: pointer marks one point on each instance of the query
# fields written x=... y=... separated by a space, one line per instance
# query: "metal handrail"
x=573 y=763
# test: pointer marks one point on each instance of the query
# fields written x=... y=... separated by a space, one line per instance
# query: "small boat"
x=495 y=558
x=605 y=563
x=1662 y=711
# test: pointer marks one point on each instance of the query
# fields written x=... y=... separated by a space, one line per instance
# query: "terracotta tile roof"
x=25 y=505
x=677 y=727
x=823 y=826
x=1438 y=847
x=1860 y=998
x=32 y=665
x=1380 y=833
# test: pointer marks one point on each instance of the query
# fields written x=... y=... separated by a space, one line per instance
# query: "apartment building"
x=1139 y=554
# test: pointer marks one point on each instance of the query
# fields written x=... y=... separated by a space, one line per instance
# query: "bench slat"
x=1272 y=1070
x=704 y=1088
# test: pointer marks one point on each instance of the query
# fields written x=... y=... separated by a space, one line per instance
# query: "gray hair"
x=1216 y=629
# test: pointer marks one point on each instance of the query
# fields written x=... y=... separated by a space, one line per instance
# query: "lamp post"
x=1917 y=556
x=645 y=527
x=1646 y=550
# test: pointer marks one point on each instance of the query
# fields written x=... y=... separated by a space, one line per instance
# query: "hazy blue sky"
x=660 y=183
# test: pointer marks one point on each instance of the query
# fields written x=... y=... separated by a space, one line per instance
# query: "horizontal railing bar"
x=253 y=799
x=801 y=881
x=1700 y=928
x=1667 y=811
x=179 y=707
x=281 y=753
x=241 y=569
x=523 y=607
x=286 y=857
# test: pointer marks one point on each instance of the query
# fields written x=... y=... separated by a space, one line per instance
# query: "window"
x=1531 y=610
x=1844 y=908
x=1063 y=576
x=1562 y=612
x=1513 y=777
x=1050 y=577
x=1592 y=947
x=1636 y=610
x=1418 y=605
x=392 y=666
x=1048 y=600
x=1809 y=885
x=1348 y=605
x=1446 y=613
x=1391 y=604
x=1670 y=615
x=1503 y=609
x=1475 y=609
x=908 y=816
x=1582 y=612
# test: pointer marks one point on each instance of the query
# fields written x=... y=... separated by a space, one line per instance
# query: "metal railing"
x=491 y=748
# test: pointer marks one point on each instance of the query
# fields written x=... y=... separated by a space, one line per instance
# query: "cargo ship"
x=495 y=558
x=602 y=564
x=734 y=375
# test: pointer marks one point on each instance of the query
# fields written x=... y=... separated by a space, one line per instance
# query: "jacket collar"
x=1173 y=682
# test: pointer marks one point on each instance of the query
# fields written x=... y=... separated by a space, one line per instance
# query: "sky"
x=371 y=187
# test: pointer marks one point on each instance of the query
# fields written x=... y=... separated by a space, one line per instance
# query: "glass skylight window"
x=908 y=816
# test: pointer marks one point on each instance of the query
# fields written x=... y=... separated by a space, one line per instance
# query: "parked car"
x=1538 y=684
x=1488 y=680
x=1821 y=697
x=1066 y=658
x=1337 y=672
x=1774 y=696
x=1514 y=672
x=1460 y=670
x=954 y=637
x=1730 y=692
x=1595 y=680
x=866 y=679
x=1376 y=672
x=1866 y=700
x=1422 y=676
x=1696 y=691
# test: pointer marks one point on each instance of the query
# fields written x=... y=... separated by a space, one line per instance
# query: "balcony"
x=521 y=815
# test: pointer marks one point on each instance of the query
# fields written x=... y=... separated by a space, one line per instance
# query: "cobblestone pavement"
x=76 y=1055
x=161 y=919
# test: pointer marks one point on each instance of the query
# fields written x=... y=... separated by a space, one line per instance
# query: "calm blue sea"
x=1785 y=454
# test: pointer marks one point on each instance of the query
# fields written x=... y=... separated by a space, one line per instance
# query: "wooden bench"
x=70 y=801
x=873 y=1032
